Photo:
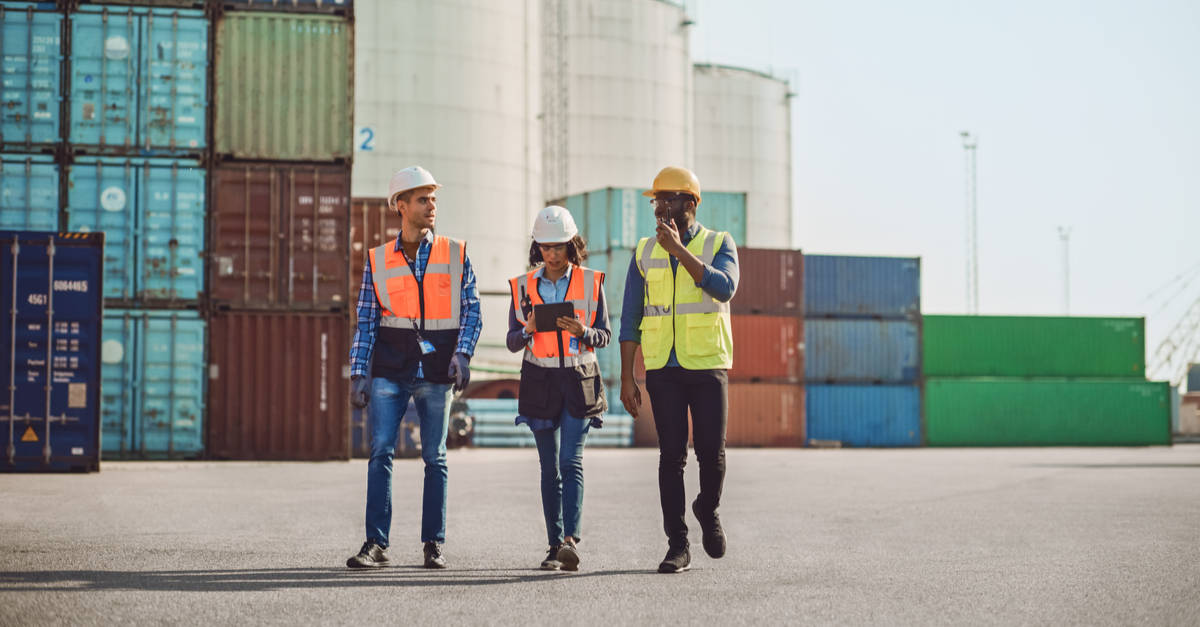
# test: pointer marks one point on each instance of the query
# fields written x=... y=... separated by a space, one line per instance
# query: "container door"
x=104 y=58
x=31 y=43
x=29 y=193
x=119 y=384
x=174 y=81
x=315 y=216
x=102 y=198
x=244 y=260
x=171 y=231
x=170 y=417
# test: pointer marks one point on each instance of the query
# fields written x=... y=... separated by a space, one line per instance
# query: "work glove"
x=359 y=394
x=459 y=371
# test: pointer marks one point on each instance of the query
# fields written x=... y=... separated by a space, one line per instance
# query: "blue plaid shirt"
x=369 y=310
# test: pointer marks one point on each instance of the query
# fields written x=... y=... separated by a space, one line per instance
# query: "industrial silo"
x=617 y=93
x=453 y=86
x=743 y=143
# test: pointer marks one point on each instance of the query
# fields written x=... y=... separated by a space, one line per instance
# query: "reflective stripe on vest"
x=583 y=292
x=400 y=295
x=677 y=314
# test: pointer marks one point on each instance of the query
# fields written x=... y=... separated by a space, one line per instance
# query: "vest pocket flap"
x=705 y=334
x=651 y=323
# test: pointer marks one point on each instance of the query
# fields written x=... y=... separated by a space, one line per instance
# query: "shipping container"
x=1189 y=414
x=139 y=80
x=495 y=426
x=616 y=218
x=1046 y=412
x=767 y=348
x=197 y=4
x=50 y=313
x=371 y=224
x=303 y=6
x=29 y=192
x=864 y=415
x=152 y=211
x=1034 y=346
x=284 y=87
x=771 y=282
x=280 y=237
x=278 y=384
x=614 y=264
x=153 y=390
x=765 y=414
x=31 y=92
x=1193 y=378
x=846 y=350
x=862 y=287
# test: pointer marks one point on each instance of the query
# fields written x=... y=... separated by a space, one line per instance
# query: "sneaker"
x=551 y=562
x=369 y=556
x=568 y=555
x=714 y=536
x=678 y=559
x=433 y=555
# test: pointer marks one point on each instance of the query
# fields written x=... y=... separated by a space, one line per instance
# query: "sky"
x=1087 y=115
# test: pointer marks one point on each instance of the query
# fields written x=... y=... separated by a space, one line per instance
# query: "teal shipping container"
x=29 y=195
x=844 y=350
x=152 y=211
x=31 y=90
x=616 y=218
x=494 y=426
x=837 y=286
x=139 y=80
x=864 y=415
x=152 y=394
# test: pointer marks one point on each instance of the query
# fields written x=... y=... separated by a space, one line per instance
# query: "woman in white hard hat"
x=561 y=395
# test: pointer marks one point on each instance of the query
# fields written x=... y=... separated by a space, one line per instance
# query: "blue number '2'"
x=368 y=137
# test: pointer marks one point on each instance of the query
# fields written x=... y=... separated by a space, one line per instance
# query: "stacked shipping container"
x=862 y=335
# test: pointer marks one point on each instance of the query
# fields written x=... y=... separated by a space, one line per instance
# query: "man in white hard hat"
x=418 y=322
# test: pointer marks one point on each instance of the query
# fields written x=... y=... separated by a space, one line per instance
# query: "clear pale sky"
x=1087 y=114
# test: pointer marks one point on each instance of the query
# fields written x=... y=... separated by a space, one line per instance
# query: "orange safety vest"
x=583 y=291
x=435 y=303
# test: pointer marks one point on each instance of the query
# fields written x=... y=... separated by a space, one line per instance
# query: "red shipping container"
x=760 y=414
x=371 y=224
x=279 y=386
x=771 y=282
x=767 y=348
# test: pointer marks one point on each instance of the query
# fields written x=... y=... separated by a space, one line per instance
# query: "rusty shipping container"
x=771 y=282
x=371 y=224
x=278 y=384
x=760 y=414
x=767 y=348
x=280 y=238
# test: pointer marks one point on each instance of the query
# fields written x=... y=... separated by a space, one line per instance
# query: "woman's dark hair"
x=576 y=252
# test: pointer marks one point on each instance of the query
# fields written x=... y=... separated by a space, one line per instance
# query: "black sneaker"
x=433 y=555
x=551 y=562
x=678 y=559
x=369 y=556
x=568 y=555
x=714 y=536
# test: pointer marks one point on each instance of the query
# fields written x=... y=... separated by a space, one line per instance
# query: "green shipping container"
x=1046 y=412
x=284 y=87
x=1034 y=346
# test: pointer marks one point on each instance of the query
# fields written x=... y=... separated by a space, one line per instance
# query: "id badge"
x=573 y=346
x=426 y=347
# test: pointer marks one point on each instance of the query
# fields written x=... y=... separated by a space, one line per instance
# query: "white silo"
x=617 y=82
x=454 y=86
x=743 y=143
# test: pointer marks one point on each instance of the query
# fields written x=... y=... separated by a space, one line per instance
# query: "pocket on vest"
x=705 y=334
x=652 y=330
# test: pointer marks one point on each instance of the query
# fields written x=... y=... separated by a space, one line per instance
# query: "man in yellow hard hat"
x=684 y=278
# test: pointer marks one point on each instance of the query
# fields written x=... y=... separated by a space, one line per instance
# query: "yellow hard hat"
x=675 y=179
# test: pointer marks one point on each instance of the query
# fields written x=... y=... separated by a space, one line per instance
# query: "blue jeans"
x=389 y=399
x=562 y=493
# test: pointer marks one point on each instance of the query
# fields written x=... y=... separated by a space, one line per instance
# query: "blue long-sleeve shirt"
x=720 y=281
x=470 y=322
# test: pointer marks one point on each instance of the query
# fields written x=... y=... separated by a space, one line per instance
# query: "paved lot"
x=1004 y=536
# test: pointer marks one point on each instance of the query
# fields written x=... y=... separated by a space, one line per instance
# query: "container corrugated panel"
x=371 y=224
x=57 y=284
x=618 y=217
x=139 y=80
x=1193 y=378
x=494 y=426
x=1046 y=412
x=278 y=384
x=1034 y=346
x=862 y=287
x=154 y=378
x=844 y=350
x=771 y=282
x=767 y=348
x=304 y=6
x=615 y=266
x=29 y=193
x=31 y=44
x=152 y=211
x=864 y=415
x=283 y=87
x=280 y=237
x=765 y=414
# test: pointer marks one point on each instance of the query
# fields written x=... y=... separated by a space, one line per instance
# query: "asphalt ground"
x=924 y=536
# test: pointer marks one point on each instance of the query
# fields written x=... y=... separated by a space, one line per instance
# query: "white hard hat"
x=554 y=225
x=411 y=177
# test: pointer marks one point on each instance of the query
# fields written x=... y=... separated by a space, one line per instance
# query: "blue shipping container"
x=845 y=350
x=1193 y=378
x=31 y=43
x=614 y=218
x=29 y=196
x=153 y=213
x=139 y=80
x=862 y=287
x=864 y=415
x=56 y=281
x=154 y=377
x=494 y=426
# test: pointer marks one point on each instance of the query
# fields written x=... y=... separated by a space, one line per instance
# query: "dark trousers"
x=673 y=391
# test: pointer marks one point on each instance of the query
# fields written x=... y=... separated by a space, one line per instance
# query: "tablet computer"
x=546 y=316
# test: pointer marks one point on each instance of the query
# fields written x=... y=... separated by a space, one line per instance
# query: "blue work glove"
x=359 y=394
x=460 y=371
